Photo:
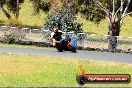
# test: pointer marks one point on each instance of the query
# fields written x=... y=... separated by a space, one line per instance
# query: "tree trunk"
x=17 y=9
x=114 y=31
x=5 y=12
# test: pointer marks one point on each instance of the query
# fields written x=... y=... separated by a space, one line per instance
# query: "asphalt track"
x=101 y=56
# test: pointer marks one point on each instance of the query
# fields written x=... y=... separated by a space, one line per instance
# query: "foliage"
x=12 y=5
x=2 y=2
x=9 y=39
x=12 y=35
x=93 y=13
x=114 y=10
x=90 y=11
x=40 y=5
x=64 y=19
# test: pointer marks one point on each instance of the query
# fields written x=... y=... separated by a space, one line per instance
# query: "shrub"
x=64 y=19
x=9 y=39
x=12 y=35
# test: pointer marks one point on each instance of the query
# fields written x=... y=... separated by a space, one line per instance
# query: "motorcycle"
x=66 y=44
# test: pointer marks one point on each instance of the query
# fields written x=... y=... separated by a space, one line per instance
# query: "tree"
x=2 y=2
x=114 y=10
x=12 y=6
x=38 y=5
x=64 y=19
x=46 y=5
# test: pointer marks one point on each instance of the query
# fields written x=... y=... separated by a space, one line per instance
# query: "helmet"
x=55 y=30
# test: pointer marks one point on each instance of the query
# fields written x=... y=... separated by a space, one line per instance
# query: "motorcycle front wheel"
x=73 y=50
x=59 y=47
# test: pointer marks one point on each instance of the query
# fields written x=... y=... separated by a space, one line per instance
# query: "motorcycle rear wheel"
x=73 y=50
x=59 y=48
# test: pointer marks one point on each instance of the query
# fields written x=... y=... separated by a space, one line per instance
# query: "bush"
x=12 y=35
x=64 y=19
x=9 y=39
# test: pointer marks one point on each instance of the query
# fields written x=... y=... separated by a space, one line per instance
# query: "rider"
x=55 y=35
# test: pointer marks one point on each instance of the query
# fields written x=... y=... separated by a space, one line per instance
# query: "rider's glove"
x=54 y=42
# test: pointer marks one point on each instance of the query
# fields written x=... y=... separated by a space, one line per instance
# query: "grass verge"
x=25 y=46
x=26 y=70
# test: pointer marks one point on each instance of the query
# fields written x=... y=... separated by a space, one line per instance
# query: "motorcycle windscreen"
x=74 y=43
x=66 y=38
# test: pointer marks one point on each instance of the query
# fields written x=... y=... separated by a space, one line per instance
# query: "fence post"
x=30 y=34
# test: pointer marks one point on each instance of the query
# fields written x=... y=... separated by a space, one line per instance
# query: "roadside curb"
x=45 y=44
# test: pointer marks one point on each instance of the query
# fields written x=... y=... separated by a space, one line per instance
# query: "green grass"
x=24 y=70
x=28 y=19
x=25 y=46
x=102 y=28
